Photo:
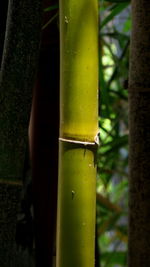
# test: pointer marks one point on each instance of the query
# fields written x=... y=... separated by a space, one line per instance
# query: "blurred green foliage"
x=112 y=178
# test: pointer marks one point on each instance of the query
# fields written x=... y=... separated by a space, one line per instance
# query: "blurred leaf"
x=103 y=89
x=107 y=203
x=112 y=182
x=117 y=257
x=51 y=8
x=119 y=193
x=108 y=223
x=115 y=34
x=127 y=25
x=118 y=9
x=114 y=145
x=122 y=229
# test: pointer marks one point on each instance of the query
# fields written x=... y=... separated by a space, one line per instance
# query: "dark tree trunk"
x=18 y=69
x=43 y=132
x=139 y=119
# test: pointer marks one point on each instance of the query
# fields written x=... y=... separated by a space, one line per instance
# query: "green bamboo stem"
x=79 y=72
x=78 y=132
x=76 y=211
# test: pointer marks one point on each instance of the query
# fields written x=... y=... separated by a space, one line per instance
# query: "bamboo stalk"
x=79 y=72
x=78 y=132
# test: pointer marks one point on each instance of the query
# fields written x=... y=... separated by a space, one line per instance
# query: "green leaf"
x=116 y=35
x=118 y=9
x=51 y=8
x=111 y=147
x=117 y=257
x=103 y=89
x=127 y=25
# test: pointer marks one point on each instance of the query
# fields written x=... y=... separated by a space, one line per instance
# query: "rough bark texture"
x=10 y=254
x=139 y=104
x=44 y=130
x=18 y=69
x=21 y=49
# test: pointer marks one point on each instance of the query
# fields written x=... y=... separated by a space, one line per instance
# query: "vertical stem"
x=78 y=131
x=79 y=72
x=76 y=207
x=18 y=68
x=139 y=104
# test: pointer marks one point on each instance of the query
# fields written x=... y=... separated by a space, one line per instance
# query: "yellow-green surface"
x=79 y=69
x=78 y=123
x=76 y=209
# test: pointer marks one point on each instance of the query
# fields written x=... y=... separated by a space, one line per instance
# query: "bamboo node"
x=96 y=138
x=77 y=141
